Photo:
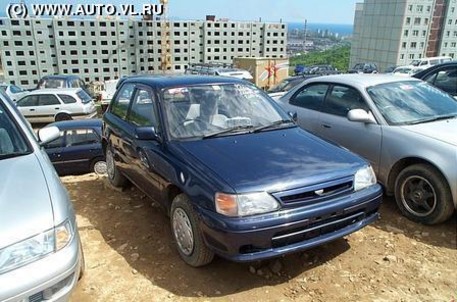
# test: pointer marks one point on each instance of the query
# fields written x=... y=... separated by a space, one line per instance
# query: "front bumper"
x=51 y=278
x=290 y=230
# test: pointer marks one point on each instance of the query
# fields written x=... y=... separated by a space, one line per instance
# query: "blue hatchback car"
x=78 y=149
x=238 y=178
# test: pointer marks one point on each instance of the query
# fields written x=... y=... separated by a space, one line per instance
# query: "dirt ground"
x=130 y=256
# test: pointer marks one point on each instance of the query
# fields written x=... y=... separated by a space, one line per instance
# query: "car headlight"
x=34 y=248
x=245 y=204
x=364 y=178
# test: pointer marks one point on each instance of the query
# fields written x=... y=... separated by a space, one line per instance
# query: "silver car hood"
x=25 y=205
x=444 y=130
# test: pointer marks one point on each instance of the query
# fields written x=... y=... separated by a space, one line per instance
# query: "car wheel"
x=115 y=177
x=423 y=195
x=187 y=234
x=62 y=117
x=99 y=166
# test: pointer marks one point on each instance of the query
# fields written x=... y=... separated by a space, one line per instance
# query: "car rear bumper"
x=51 y=278
x=274 y=234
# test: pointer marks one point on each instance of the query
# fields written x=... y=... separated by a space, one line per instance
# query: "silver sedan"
x=406 y=128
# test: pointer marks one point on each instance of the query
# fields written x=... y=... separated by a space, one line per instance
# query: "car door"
x=362 y=138
x=119 y=127
x=48 y=106
x=307 y=102
x=82 y=146
x=143 y=155
x=27 y=106
x=54 y=151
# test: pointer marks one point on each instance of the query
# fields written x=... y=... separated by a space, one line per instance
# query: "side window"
x=342 y=99
x=57 y=143
x=79 y=137
x=67 y=99
x=47 y=100
x=30 y=100
x=74 y=83
x=310 y=97
x=15 y=89
x=121 y=104
x=446 y=80
x=142 y=112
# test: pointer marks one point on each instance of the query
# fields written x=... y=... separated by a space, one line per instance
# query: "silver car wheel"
x=418 y=196
x=182 y=229
x=100 y=167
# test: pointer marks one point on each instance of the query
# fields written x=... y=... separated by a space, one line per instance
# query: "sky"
x=314 y=11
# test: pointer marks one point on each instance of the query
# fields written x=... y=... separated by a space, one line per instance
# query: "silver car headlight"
x=245 y=204
x=364 y=178
x=34 y=248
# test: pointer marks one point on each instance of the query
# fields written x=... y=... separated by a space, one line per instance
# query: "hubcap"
x=110 y=164
x=182 y=229
x=100 y=167
x=418 y=196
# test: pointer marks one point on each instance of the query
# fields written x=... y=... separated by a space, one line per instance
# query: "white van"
x=424 y=63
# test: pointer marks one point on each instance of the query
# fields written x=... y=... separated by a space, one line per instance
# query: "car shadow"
x=138 y=230
x=392 y=221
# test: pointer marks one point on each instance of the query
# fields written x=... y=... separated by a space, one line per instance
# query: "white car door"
x=27 y=106
x=48 y=106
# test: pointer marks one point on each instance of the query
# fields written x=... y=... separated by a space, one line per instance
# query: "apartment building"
x=101 y=49
x=395 y=32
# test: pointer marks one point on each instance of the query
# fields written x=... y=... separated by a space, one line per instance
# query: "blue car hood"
x=25 y=204
x=272 y=161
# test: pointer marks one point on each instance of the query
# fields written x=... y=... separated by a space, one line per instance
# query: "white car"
x=14 y=92
x=49 y=105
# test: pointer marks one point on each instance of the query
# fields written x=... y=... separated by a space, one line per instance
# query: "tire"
x=114 y=176
x=184 y=223
x=62 y=117
x=423 y=195
x=98 y=166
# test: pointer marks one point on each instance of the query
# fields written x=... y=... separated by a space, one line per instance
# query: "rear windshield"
x=52 y=83
x=85 y=98
x=12 y=140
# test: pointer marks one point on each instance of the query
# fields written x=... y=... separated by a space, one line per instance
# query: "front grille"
x=38 y=297
x=316 y=229
x=315 y=193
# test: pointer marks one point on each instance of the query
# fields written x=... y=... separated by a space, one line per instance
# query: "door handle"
x=31 y=109
x=326 y=126
x=57 y=108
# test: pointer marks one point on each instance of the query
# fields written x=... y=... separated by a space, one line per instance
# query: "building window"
x=417 y=21
x=405 y=33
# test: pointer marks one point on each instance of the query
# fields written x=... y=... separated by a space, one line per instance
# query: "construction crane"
x=165 y=56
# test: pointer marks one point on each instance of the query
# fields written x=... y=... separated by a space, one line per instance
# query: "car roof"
x=54 y=90
x=165 y=81
x=361 y=80
x=60 y=76
x=62 y=125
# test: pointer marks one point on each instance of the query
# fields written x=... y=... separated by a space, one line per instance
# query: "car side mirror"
x=147 y=134
x=362 y=116
x=48 y=134
x=293 y=116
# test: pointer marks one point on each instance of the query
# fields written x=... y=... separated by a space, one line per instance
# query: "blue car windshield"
x=12 y=141
x=408 y=102
x=206 y=110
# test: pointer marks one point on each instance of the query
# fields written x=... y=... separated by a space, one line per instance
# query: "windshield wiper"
x=226 y=131
x=434 y=119
x=272 y=125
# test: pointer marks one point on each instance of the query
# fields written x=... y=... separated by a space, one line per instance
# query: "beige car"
x=49 y=105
